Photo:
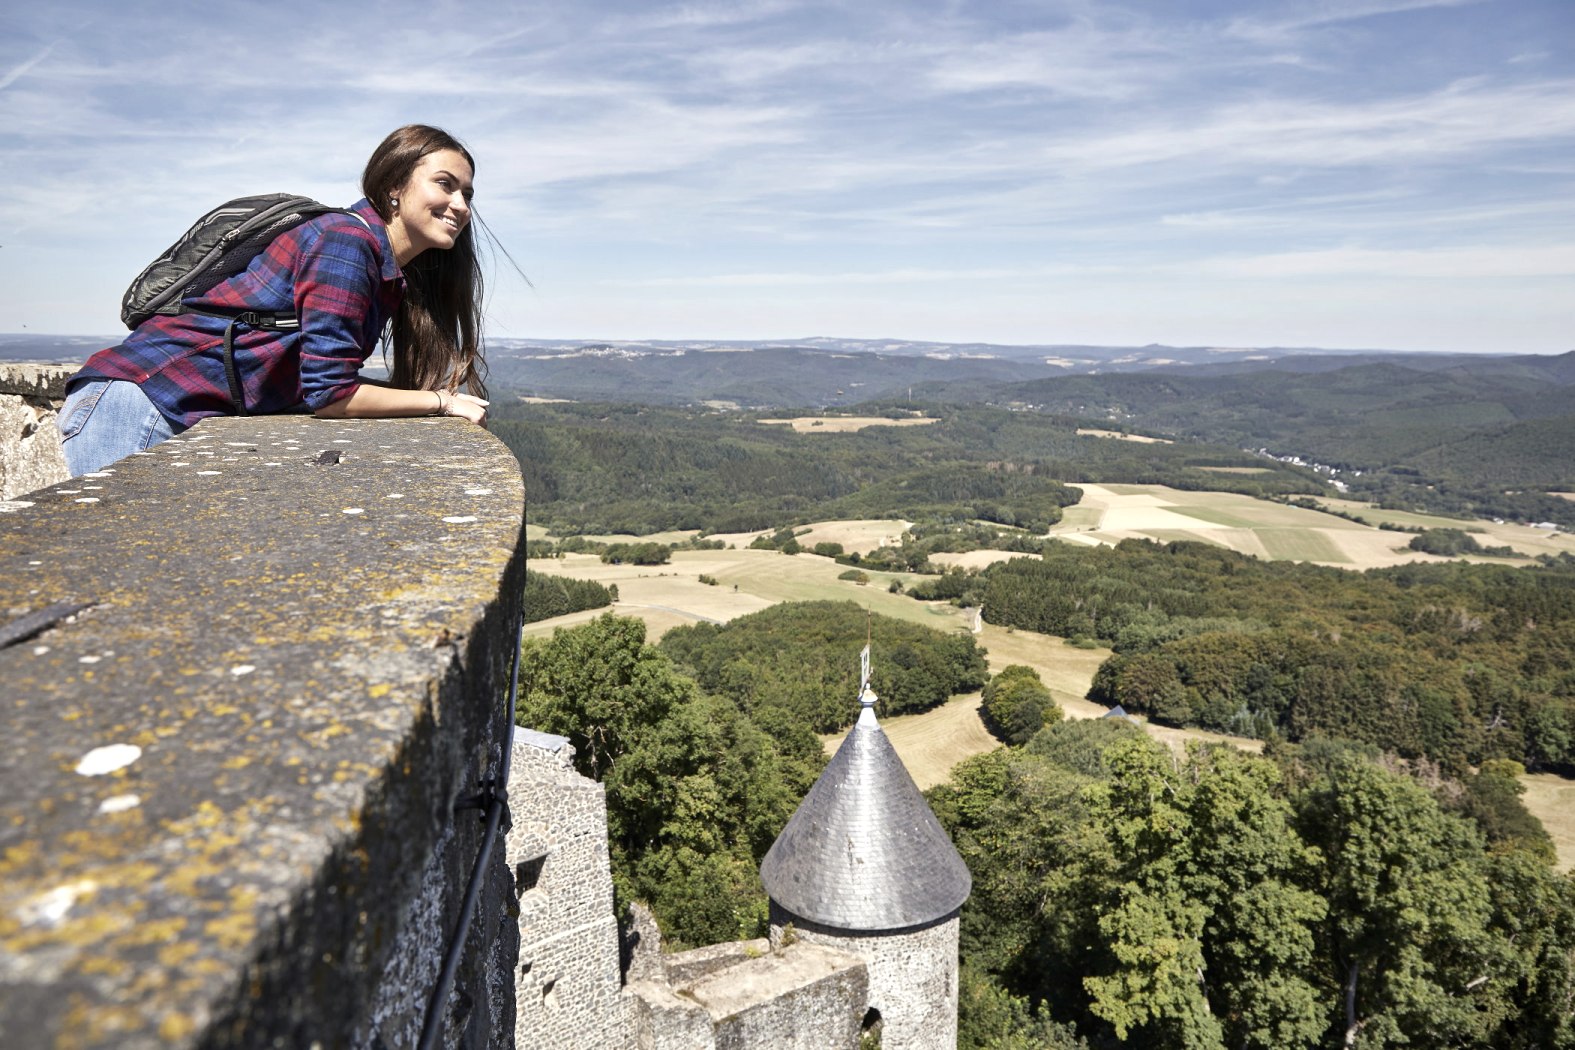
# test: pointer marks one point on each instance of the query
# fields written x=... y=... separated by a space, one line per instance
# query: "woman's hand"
x=466 y=405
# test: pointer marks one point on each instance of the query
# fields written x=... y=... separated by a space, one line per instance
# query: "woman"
x=404 y=264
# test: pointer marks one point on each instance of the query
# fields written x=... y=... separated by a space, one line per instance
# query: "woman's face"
x=434 y=206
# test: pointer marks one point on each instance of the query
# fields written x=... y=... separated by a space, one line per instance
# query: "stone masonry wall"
x=568 y=979
x=227 y=795
x=30 y=457
x=913 y=976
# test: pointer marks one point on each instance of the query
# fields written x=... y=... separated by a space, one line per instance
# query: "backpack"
x=219 y=246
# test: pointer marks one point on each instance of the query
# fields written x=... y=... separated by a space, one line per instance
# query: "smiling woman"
x=399 y=266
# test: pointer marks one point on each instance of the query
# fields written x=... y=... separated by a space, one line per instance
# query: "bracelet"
x=439 y=410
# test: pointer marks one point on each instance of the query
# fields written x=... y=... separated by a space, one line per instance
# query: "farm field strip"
x=847 y=424
x=1111 y=513
x=1551 y=799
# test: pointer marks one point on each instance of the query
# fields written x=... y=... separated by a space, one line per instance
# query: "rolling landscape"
x=1291 y=573
x=1331 y=598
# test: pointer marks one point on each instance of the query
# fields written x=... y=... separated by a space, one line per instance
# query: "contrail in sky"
x=20 y=71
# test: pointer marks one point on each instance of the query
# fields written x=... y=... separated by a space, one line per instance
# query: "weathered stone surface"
x=223 y=781
x=41 y=382
x=802 y=997
x=912 y=974
x=30 y=455
x=569 y=984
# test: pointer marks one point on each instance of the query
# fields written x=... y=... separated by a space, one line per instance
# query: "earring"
x=394 y=201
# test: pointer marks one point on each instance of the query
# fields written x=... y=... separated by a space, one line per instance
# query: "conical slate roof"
x=863 y=851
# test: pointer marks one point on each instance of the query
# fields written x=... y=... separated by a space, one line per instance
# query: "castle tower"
x=865 y=867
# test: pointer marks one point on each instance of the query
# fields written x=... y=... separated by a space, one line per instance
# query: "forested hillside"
x=1453 y=662
x=628 y=468
x=1468 y=440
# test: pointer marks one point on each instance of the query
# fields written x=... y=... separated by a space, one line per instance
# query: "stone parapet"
x=227 y=795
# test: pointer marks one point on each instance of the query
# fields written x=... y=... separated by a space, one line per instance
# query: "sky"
x=1395 y=174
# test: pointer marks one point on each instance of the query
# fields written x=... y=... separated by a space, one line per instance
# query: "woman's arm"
x=375 y=402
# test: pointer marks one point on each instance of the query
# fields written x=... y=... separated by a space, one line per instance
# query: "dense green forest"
x=549 y=596
x=696 y=789
x=707 y=743
x=796 y=663
x=593 y=468
x=1323 y=894
x=1453 y=662
x=1314 y=897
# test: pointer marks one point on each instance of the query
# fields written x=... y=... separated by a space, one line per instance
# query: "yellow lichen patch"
x=177 y=954
x=377 y=692
x=175 y=1027
x=233 y=931
x=237 y=762
x=103 y=965
x=153 y=931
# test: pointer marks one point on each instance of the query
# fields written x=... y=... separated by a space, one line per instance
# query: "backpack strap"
x=252 y=319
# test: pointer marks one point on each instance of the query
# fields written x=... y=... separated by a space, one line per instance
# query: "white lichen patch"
x=242 y=669
x=355 y=510
x=395 y=495
x=40 y=650
x=107 y=759
x=47 y=909
x=119 y=803
x=87 y=499
x=478 y=492
x=98 y=474
x=460 y=519
x=89 y=659
x=210 y=473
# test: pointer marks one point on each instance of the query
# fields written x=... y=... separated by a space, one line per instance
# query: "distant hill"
x=825 y=372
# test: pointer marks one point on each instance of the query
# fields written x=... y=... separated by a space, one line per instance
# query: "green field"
x=1301 y=545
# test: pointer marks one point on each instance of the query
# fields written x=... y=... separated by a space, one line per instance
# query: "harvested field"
x=847 y=424
x=1111 y=513
x=932 y=743
x=1522 y=538
x=860 y=534
x=1551 y=799
x=748 y=581
x=976 y=559
x=1116 y=434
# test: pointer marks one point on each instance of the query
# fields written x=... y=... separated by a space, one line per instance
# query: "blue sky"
x=1338 y=173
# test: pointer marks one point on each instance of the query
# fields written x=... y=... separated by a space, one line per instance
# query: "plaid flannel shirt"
x=340 y=279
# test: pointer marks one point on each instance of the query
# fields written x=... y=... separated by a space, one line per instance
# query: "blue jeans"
x=108 y=419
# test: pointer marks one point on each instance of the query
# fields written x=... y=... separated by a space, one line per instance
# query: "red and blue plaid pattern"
x=340 y=279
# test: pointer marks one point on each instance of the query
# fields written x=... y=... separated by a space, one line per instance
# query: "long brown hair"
x=436 y=333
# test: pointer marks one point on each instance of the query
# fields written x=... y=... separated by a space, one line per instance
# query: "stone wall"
x=230 y=775
x=912 y=975
x=569 y=983
x=30 y=457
